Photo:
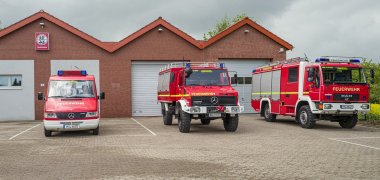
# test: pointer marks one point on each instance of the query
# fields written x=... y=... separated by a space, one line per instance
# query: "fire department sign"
x=42 y=41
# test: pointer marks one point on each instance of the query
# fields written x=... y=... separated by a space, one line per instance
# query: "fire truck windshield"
x=343 y=75
x=71 y=89
x=208 y=77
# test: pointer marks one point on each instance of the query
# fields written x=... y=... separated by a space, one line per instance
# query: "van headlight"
x=92 y=114
x=50 y=115
x=365 y=106
x=195 y=109
x=327 y=106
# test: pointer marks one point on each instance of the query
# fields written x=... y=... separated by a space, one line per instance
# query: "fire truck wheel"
x=205 y=121
x=184 y=122
x=47 y=133
x=269 y=117
x=95 y=131
x=168 y=118
x=306 y=117
x=231 y=123
x=349 y=122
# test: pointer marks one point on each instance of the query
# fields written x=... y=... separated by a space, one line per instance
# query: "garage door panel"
x=244 y=70
x=144 y=87
x=17 y=90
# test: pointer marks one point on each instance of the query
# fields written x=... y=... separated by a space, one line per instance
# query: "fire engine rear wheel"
x=95 y=131
x=349 y=122
x=168 y=118
x=231 y=123
x=184 y=121
x=47 y=133
x=267 y=115
x=205 y=121
x=306 y=117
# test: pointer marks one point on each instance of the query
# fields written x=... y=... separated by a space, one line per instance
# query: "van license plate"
x=214 y=115
x=71 y=126
x=347 y=106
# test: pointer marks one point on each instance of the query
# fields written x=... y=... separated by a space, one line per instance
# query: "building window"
x=293 y=75
x=10 y=81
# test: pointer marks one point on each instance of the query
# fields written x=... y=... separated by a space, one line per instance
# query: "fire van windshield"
x=208 y=77
x=71 y=89
x=343 y=75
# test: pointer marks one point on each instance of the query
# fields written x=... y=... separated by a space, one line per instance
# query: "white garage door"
x=91 y=66
x=144 y=87
x=16 y=90
x=244 y=71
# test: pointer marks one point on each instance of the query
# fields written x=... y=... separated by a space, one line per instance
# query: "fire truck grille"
x=346 y=97
x=213 y=100
x=68 y=115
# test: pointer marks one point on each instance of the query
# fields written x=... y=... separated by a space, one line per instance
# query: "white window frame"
x=10 y=83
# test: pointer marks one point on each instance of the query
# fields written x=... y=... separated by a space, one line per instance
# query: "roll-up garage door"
x=144 y=87
x=244 y=70
x=16 y=90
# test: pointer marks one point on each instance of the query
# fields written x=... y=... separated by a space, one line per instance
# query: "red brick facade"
x=115 y=67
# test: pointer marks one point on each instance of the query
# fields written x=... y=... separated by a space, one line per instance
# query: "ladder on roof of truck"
x=192 y=64
x=288 y=61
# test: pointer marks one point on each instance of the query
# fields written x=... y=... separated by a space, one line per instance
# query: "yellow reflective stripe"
x=173 y=95
x=278 y=93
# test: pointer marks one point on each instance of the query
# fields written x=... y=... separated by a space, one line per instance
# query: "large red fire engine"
x=331 y=88
x=198 y=91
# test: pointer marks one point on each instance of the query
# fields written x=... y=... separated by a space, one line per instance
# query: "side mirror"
x=102 y=96
x=40 y=96
x=310 y=76
x=372 y=74
x=235 y=79
x=188 y=72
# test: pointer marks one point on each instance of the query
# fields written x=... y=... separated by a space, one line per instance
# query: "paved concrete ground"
x=125 y=149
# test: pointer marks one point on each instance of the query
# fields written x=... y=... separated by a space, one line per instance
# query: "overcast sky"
x=314 y=27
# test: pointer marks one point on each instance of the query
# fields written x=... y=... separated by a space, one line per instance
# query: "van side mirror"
x=372 y=74
x=188 y=72
x=310 y=76
x=102 y=95
x=40 y=96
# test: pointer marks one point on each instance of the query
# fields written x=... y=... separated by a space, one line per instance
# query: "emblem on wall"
x=42 y=41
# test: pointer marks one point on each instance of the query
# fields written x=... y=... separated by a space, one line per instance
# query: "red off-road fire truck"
x=198 y=91
x=71 y=103
x=331 y=88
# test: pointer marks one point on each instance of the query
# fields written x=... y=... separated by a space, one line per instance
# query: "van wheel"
x=184 y=122
x=205 y=121
x=306 y=117
x=349 y=122
x=231 y=123
x=167 y=117
x=269 y=117
x=96 y=131
x=47 y=132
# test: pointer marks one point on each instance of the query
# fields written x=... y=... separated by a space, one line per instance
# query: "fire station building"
x=36 y=47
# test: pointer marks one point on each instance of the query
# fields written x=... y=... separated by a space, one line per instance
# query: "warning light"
x=221 y=65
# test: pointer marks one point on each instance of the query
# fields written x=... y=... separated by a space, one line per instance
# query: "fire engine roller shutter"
x=91 y=66
x=144 y=87
x=17 y=99
x=244 y=70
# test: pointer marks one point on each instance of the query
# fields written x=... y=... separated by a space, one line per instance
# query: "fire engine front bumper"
x=343 y=108
x=71 y=125
x=213 y=109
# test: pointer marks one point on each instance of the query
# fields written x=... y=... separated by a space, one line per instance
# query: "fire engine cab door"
x=312 y=88
x=289 y=89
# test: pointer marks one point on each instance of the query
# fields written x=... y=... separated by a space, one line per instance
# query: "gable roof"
x=114 y=46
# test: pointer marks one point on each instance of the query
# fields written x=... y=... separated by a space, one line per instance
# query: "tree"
x=375 y=87
x=223 y=24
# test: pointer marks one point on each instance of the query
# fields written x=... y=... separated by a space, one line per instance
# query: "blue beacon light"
x=83 y=72
x=60 y=73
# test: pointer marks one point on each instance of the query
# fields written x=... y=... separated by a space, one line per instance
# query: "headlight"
x=235 y=109
x=50 y=115
x=365 y=106
x=92 y=114
x=195 y=109
x=327 y=106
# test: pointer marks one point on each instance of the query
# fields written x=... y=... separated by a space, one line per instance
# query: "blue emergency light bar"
x=221 y=65
x=72 y=73
x=337 y=60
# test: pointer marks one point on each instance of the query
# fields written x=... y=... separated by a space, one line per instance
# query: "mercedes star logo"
x=71 y=115
x=214 y=100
